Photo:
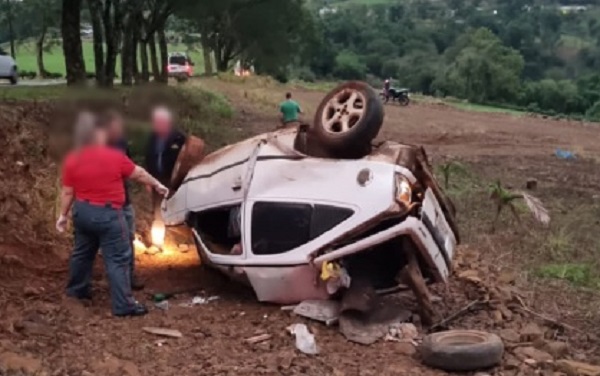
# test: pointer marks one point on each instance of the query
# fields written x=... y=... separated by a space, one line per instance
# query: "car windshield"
x=178 y=60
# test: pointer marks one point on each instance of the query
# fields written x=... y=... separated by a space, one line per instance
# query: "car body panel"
x=6 y=64
x=267 y=169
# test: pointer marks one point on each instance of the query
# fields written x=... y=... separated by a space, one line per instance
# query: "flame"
x=158 y=233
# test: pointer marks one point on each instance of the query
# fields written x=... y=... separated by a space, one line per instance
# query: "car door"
x=6 y=63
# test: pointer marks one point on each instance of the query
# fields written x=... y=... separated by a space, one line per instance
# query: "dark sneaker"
x=138 y=310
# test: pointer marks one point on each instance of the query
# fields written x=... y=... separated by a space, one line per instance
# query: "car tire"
x=462 y=350
x=14 y=77
x=348 y=119
x=190 y=154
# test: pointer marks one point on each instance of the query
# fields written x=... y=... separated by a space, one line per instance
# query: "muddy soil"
x=42 y=332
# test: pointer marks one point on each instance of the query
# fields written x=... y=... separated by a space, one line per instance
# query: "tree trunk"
x=136 y=68
x=127 y=53
x=144 y=60
x=208 y=68
x=113 y=31
x=95 y=8
x=71 y=35
x=11 y=32
x=39 y=51
x=154 y=59
x=164 y=54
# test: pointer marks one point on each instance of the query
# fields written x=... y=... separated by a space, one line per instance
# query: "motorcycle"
x=395 y=94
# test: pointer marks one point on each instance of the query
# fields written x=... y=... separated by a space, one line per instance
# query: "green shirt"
x=290 y=110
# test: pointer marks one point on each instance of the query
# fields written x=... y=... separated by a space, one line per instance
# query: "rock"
x=531 y=332
x=506 y=313
x=497 y=316
x=511 y=363
x=326 y=311
x=183 y=248
x=509 y=335
x=507 y=277
x=529 y=352
x=11 y=361
x=557 y=349
x=573 y=368
x=404 y=331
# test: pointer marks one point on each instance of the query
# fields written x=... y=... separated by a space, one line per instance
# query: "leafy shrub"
x=349 y=67
x=54 y=75
x=27 y=74
x=593 y=113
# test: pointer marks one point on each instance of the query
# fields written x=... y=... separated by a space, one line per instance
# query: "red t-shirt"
x=96 y=174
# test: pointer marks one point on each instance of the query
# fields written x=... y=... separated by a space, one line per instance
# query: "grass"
x=484 y=108
x=582 y=275
x=55 y=63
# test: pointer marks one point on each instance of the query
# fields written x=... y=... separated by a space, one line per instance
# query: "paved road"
x=4 y=84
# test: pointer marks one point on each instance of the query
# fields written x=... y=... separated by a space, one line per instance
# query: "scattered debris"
x=173 y=333
x=367 y=329
x=573 y=368
x=183 y=248
x=529 y=352
x=153 y=250
x=257 y=339
x=326 y=311
x=305 y=341
x=199 y=300
x=10 y=361
x=163 y=305
x=404 y=332
x=564 y=154
x=531 y=332
x=455 y=315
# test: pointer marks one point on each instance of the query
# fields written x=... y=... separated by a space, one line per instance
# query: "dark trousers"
x=101 y=227
x=129 y=214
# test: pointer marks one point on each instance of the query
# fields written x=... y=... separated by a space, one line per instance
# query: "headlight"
x=403 y=190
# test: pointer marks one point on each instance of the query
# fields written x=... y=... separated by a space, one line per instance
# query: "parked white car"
x=8 y=68
x=297 y=218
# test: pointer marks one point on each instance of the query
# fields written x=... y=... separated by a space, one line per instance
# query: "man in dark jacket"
x=113 y=123
x=162 y=151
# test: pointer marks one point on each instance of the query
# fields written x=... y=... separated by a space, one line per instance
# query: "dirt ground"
x=43 y=333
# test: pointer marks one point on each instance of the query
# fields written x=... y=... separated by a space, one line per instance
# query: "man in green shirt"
x=290 y=109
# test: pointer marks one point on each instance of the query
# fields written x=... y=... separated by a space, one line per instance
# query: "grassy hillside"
x=55 y=62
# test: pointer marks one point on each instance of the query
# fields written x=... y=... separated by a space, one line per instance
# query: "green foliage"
x=593 y=113
x=349 y=67
x=559 y=96
x=578 y=274
x=480 y=68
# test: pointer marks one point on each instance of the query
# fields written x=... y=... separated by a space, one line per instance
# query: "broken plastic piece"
x=305 y=341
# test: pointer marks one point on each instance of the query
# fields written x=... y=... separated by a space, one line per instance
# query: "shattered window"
x=280 y=227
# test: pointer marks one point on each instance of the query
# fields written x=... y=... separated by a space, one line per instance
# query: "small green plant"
x=503 y=198
x=449 y=169
x=577 y=274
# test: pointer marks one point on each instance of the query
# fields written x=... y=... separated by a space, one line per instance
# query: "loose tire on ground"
x=348 y=119
x=462 y=350
x=191 y=153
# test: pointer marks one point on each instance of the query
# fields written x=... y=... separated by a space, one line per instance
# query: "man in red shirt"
x=93 y=179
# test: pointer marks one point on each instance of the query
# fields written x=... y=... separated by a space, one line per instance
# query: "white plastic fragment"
x=305 y=341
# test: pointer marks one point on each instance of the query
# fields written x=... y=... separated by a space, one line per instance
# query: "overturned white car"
x=309 y=212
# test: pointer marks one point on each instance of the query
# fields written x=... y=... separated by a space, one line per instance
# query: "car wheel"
x=462 y=350
x=190 y=154
x=14 y=77
x=348 y=119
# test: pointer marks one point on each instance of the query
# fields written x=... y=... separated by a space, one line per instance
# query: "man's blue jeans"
x=101 y=227
x=129 y=214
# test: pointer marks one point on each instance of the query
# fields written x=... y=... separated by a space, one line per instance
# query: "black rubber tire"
x=14 y=76
x=356 y=142
x=462 y=350
x=404 y=101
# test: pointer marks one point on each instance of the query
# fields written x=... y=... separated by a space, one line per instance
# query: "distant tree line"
x=524 y=53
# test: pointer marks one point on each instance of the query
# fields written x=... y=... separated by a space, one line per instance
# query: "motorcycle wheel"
x=404 y=101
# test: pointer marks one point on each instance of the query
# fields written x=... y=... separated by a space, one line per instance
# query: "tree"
x=72 y=48
x=254 y=31
x=349 y=67
x=480 y=68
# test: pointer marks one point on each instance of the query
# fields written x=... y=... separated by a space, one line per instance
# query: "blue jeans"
x=101 y=227
x=129 y=214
